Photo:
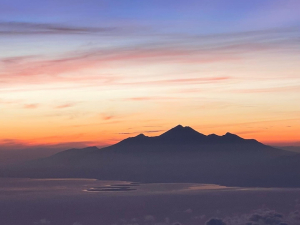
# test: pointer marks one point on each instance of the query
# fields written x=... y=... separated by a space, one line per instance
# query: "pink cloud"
x=107 y=116
x=66 y=105
x=199 y=80
x=30 y=106
x=22 y=70
x=72 y=68
x=270 y=89
x=151 y=98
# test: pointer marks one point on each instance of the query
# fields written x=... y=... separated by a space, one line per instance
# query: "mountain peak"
x=180 y=128
x=181 y=132
x=229 y=134
x=232 y=137
x=185 y=135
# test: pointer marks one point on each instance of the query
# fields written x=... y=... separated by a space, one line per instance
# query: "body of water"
x=94 y=202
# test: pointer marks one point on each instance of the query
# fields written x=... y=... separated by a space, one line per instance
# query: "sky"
x=93 y=72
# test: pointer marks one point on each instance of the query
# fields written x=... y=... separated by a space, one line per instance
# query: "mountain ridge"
x=180 y=154
x=181 y=133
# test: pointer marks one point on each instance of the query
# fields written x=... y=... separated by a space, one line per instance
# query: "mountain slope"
x=178 y=155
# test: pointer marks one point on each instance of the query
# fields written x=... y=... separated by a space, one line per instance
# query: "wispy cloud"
x=140 y=132
x=180 y=50
x=26 y=28
x=19 y=103
x=9 y=102
x=151 y=98
x=126 y=133
x=200 y=80
x=31 y=106
x=153 y=131
x=283 y=88
x=66 y=105
x=108 y=116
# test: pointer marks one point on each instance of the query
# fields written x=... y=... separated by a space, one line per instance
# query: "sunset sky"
x=93 y=72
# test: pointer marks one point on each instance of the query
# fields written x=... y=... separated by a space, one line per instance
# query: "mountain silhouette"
x=181 y=154
x=187 y=135
x=181 y=133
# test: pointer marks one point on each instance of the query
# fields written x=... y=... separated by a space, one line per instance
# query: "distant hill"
x=289 y=148
x=12 y=156
x=178 y=155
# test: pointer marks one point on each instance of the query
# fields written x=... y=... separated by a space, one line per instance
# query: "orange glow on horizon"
x=245 y=83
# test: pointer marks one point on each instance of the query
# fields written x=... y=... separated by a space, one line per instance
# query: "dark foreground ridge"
x=178 y=155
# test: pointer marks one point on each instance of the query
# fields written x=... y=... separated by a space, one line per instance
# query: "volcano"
x=181 y=154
